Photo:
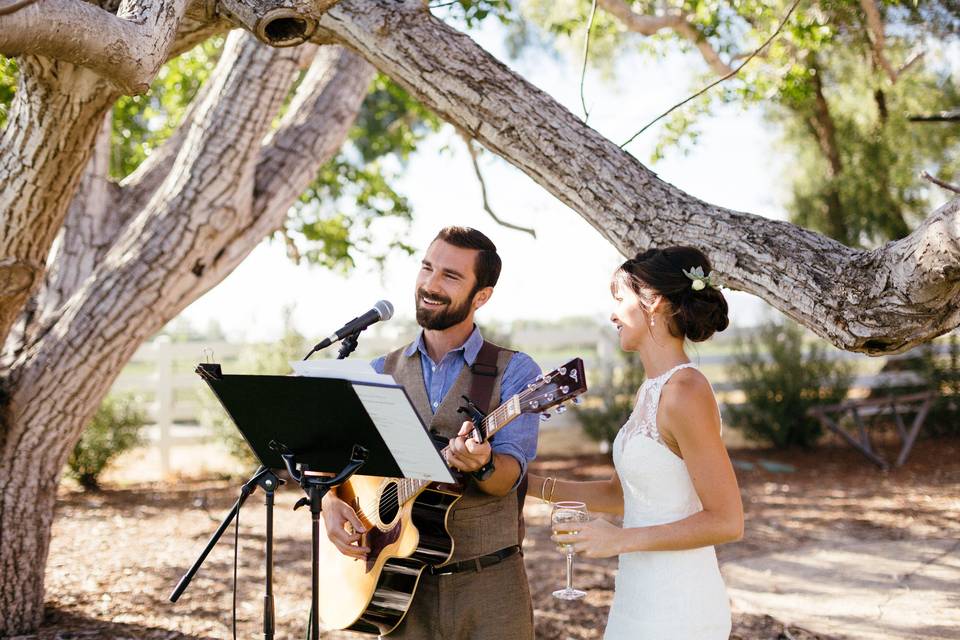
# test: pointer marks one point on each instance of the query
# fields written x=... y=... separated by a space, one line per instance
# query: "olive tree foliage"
x=99 y=251
x=840 y=83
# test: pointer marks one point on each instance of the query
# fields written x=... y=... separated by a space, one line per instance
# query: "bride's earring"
x=653 y=321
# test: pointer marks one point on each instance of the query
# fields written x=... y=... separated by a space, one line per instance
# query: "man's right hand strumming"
x=344 y=528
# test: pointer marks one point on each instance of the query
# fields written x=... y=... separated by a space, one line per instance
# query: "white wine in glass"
x=566 y=519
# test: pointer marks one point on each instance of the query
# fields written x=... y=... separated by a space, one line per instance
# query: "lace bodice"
x=643 y=419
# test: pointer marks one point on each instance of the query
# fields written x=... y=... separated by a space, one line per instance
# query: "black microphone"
x=383 y=310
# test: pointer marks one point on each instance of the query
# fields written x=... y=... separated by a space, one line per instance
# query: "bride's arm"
x=688 y=414
x=602 y=496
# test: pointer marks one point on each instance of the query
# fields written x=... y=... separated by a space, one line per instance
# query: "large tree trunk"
x=883 y=301
x=121 y=273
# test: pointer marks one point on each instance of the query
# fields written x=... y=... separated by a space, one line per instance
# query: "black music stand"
x=308 y=424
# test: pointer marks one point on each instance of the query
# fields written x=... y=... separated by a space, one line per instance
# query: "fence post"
x=163 y=407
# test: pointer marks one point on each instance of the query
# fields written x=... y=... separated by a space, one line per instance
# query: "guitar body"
x=406 y=523
x=373 y=596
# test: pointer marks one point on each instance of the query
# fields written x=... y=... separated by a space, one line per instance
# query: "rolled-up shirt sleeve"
x=519 y=438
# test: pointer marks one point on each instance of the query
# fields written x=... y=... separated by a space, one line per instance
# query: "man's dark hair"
x=488 y=263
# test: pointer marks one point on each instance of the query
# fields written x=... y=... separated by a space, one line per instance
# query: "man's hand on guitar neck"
x=344 y=528
x=468 y=455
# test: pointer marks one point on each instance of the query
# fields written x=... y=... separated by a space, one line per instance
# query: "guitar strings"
x=393 y=499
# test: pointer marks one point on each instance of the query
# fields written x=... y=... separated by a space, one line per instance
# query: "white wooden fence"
x=163 y=372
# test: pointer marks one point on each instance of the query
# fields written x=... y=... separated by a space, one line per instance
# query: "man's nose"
x=430 y=284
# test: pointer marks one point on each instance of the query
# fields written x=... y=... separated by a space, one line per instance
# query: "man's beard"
x=442 y=317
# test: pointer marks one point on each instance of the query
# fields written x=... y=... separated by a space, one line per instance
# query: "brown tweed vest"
x=479 y=523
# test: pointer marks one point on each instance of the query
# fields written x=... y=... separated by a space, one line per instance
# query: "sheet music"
x=352 y=370
x=401 y=429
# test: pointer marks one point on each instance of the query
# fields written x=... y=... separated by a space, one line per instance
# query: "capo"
x=476 y=417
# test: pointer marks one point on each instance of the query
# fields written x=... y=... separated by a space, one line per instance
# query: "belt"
x=475 y=564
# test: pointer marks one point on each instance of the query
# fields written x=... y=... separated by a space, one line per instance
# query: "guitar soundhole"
x=389 y=503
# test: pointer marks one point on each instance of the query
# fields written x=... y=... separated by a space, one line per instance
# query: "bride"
x=674 y=483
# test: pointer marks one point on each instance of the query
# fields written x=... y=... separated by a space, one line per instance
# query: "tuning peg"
x=564 y=389
x=531 y=386
x=562 y=371
x=561 y=408
x=534 y=404
x=544 y=417
x=549 y=397
x=577 y=400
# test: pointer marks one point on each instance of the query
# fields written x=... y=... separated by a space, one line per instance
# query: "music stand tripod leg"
x=268 y=481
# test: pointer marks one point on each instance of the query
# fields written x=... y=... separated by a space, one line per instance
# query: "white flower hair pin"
x=700 y=281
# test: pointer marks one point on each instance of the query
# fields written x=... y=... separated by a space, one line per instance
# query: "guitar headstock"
x=554 y=388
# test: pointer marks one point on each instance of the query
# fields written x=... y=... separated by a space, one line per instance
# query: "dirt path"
x=115 y=556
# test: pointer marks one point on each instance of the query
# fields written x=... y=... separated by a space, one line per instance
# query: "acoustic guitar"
x=406 y=523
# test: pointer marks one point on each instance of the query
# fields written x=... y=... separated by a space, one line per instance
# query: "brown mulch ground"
x=116 y=555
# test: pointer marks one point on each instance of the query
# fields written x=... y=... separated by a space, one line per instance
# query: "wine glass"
x=566 y=519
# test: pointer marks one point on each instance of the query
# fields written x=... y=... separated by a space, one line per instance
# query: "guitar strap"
x=484 y=370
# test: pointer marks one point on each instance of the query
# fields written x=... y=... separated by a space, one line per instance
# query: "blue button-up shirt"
x=519 y=438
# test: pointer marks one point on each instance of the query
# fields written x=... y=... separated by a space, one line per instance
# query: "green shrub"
x=781 y=379
x=616 y=390
x=115 y=428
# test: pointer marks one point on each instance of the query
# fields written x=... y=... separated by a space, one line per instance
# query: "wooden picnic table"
x=865 y=413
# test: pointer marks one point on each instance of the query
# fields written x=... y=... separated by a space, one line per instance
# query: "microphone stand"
x=316 y=487
x=348 y=345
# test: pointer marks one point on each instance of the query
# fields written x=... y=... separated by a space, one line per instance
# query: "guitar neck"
x=497 y=419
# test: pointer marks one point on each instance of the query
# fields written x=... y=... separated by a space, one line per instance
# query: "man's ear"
x=481 y=297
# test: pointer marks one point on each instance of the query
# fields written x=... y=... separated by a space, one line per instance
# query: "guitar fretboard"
x=408 y=488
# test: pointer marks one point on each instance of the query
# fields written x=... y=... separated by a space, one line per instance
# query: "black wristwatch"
x=485 y=471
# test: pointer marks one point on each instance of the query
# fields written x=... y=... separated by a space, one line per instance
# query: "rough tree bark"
x=133 y=255
x=190 y=214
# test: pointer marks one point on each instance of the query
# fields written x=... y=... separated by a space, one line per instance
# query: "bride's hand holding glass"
x=597 y=538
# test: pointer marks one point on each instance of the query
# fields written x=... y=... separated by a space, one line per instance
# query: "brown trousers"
x=492 y=604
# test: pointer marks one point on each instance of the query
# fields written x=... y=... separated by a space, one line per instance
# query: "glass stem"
x=569 y=571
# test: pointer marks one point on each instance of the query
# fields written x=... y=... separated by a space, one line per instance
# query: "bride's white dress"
x=662 y=595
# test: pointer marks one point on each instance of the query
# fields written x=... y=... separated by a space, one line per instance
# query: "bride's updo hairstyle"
x=696 y=311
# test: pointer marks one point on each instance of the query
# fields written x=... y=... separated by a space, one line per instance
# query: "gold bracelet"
x=543 y=488
x=553 y=488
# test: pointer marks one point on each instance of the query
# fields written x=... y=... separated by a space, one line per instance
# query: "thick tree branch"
x=199 y=223
x=41 y=161
x=649 y=25
x=312 y=130
x=128 y=47
x=89 y=229
x=881 y=301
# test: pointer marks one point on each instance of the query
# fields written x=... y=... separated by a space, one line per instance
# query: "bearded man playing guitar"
x=479 y=592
